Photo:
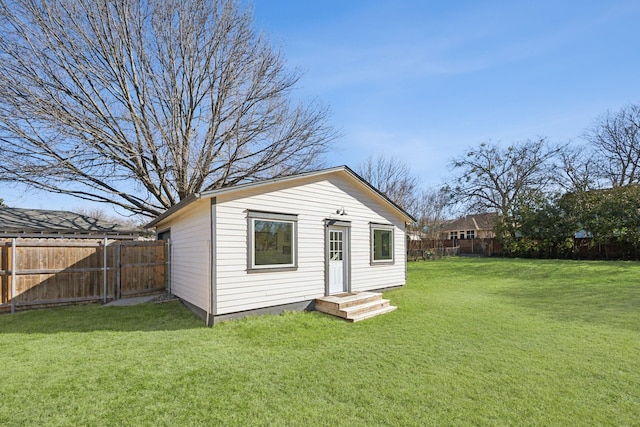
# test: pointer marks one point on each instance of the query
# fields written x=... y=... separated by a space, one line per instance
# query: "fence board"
x=49 y=274
x=143 y=268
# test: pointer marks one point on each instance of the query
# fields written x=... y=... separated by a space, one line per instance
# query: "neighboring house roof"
x=39 y=221
x=284 y=179
x=483 y=221
x=583 y=234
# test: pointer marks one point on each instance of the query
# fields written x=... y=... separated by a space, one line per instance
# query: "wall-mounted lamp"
x=340 y=212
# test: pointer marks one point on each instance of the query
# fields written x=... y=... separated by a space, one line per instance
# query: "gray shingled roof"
x=28 y=221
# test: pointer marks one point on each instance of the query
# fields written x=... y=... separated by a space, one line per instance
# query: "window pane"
x=335 y=245
x=382 y=245
x=272 y=242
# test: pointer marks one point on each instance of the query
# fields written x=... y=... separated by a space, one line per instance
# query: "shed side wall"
x=190 y=248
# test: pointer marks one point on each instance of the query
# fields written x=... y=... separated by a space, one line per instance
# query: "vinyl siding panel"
x=312 y=201
x=190 y=249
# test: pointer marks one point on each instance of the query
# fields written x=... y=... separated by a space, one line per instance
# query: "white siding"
x=313 y=202
x=190 y=249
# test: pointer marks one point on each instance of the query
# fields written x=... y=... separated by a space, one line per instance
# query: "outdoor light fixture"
x=340 y=212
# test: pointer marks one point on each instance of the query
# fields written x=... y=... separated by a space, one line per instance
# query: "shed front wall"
x=313 y=202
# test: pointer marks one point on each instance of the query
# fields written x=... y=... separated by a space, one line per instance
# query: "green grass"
x=473 y=342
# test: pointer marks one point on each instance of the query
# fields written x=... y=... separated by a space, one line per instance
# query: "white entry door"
x=336 y=261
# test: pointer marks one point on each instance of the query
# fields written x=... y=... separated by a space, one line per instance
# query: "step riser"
x=363 y=300
x=352 y=313
x=371 y=314
x=333 y=313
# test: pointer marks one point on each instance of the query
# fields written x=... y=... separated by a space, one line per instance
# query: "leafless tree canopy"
x=393 y=178
x=492 y=178
x=432 y=210
x=616 y=140
x=580 y=169
x=143 y=102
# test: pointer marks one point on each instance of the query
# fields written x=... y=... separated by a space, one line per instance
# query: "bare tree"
x=393 y=178
x=616 y=139
x=432 y=210
x=493 y=178
x=580 y=169
x=142 y=103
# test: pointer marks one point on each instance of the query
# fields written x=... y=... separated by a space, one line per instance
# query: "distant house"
x=280 y=244
x=472 y=234
x=478 y=226
x=17 y=222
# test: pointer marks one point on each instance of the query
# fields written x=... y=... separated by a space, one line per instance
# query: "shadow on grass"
x=168 y=316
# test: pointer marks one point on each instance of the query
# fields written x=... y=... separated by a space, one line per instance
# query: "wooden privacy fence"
x=39 y=273
x=426 y=248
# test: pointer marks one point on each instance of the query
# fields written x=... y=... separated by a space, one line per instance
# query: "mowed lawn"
x=473 y=342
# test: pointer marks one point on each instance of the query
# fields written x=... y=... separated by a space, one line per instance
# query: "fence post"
x=13 y=275
x=168 y=258
x=104 y=269
x=117 y=261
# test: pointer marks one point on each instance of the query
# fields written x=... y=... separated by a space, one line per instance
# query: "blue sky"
x=424 y=80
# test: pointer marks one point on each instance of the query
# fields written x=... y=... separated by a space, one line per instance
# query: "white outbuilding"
x=279 y=244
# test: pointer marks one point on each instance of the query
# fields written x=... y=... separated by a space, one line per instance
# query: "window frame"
x=383 y=227
x=252 y=217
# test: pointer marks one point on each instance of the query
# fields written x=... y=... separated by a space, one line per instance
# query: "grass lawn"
x=473 y=342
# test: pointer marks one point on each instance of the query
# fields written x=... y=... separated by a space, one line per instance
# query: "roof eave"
x=173 y=209
x=253 y=185
x=381 y=194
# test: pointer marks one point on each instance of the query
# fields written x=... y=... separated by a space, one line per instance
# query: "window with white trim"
x=381 y=243
x=272 y=242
